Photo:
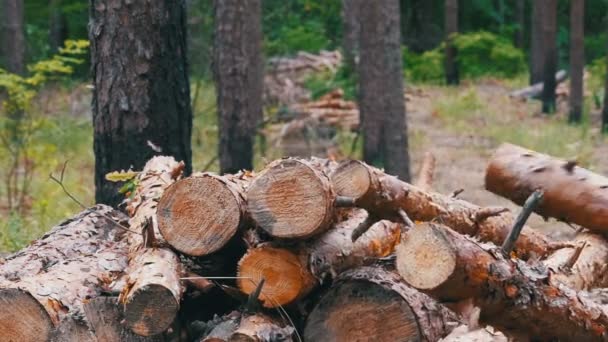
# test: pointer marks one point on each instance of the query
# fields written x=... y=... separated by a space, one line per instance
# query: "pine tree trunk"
x=58 y=26
x=382 y=106
x=520 y=33
x=605 y=105
x=536 y=43
x=13 y=36
x=577 y=59
x=350 y=32
x=550 y=54
x=238 y=73
x=451 y=28
x=141 y=100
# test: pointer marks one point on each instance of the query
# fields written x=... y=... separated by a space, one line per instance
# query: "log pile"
x=312 y=250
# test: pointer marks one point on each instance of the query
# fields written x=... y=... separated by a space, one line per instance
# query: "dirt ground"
x=461 y=159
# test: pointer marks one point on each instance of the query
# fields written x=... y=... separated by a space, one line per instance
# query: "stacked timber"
x=313 y=249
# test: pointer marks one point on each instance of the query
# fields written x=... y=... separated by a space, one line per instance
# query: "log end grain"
x=199 y=215
x=357 y=310
x=151 y=310
x=423 y=249
x=285 y=277
x=291 y=199
x=22 y=318
x=352 y=179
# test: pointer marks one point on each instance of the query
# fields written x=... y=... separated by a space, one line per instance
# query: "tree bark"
x=582 y=267
x=290 y=274
x=350 y=32
x=13 y=36
x=282 y=190
x=199 y=215
x=536 y=43
x=45 y=285
x=451 y=28
x=373 y=302
x=141 y=99
x=577 y=59
x=571 y=193
x=513 y=296
x=153 y=290
x=382 y=107
x=605 y=105
x=520 y=17
x=550 y=54
x=238 y=326
x=384 y=196
x=238 y=73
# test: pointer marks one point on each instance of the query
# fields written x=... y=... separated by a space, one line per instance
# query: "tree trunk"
x=278 y=194
x=571 y=193
x=141 y=100
x=536 y=43
x=350 y=32
x=420 y=31
x=58 y=26
x=550 y=54
x=13 y=36
x=382 y=107
x=605 y=106
x=373 y=302
x=199 y=215
x=451 y=28
x=385 y=196
x=520 y=17
x=290 y=274
x=238 y=73
x=512 y=295
x=153 y=290
x=577 y=59
x=46 y=284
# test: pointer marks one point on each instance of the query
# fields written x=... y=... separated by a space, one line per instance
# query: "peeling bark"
x=384 y=195
x=45 y=285
x=513 y=296
x=153 y=291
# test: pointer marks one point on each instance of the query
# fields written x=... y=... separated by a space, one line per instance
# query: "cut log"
x=535 y=90
x=198 y=215
x=385 y=195
x=371 y=302
x=46 y=284
x=582 y=267
x=513 y=296
x=239 y=327
x=571 y=193
x=153 y=291
x=279 y=195
x=104 y=315
x=290 y=274
x=427 y=170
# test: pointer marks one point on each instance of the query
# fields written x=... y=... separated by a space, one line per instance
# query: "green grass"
x=466 y=110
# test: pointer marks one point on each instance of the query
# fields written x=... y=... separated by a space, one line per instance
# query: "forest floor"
x=461 y=126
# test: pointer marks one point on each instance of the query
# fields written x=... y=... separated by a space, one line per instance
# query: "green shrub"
x=322 y=83
x=479 y=54
x=486 y=54
x=310 y=37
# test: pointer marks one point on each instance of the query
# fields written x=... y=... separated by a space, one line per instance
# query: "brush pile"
x=316 y=250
